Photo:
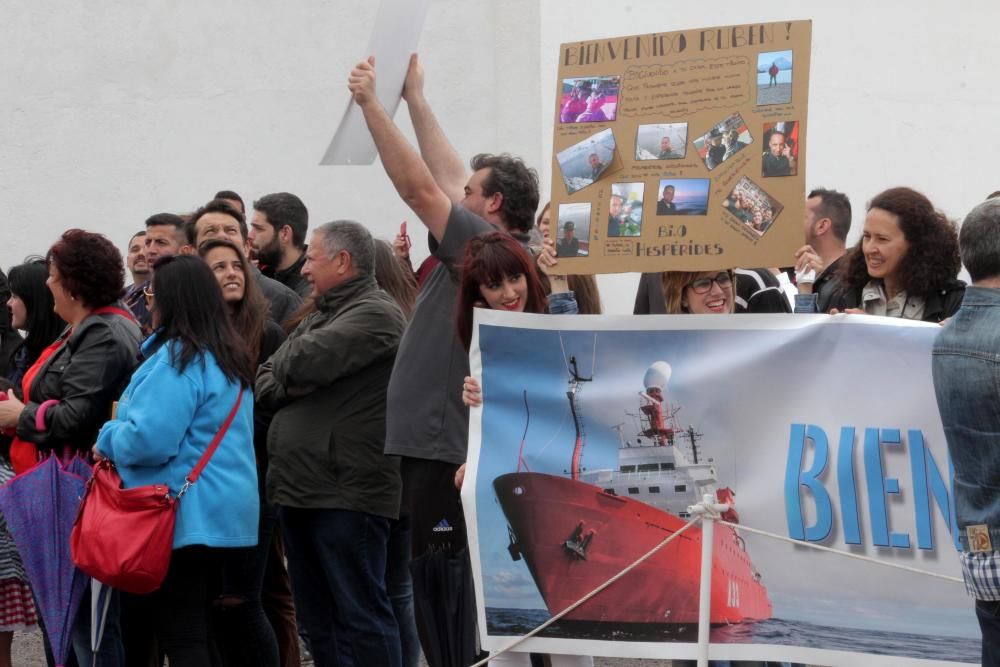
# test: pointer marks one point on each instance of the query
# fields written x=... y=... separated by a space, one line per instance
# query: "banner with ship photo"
x=596 y=435
x=687 y=149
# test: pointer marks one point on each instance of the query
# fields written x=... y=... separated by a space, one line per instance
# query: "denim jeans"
x=988 y=614
x=399 y=584
x=336 y=559
x=111 y=652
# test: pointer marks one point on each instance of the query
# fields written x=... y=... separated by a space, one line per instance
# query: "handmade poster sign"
x=597 y=434
x=688 y=147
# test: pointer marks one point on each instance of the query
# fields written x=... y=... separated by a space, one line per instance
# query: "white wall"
x=112 y=111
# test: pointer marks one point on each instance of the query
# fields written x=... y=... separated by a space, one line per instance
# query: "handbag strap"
x=203 y=461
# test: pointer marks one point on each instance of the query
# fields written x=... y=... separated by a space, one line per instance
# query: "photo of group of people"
x=774 y=77
x=574 y=230
x=625 y=210
x=661 y=141
x=782 y=155
x=749 y=204
x=683 y=196
x=591 y=99
x=583 y=163
x=723 y=141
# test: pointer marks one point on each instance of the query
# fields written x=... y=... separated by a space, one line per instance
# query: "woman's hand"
x=10 y=410
x=460 y=477
x=472 y=395
x=546 y=260
x=847 y=311
x=96 y=455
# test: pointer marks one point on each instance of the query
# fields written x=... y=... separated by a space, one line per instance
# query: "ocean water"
x=513 y=622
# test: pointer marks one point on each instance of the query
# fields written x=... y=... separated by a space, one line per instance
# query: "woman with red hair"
x=66 y=395
x=499 y=274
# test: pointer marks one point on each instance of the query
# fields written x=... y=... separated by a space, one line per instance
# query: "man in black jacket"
x=278 y=234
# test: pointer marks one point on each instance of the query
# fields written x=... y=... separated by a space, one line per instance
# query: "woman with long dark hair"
x=246 y=636
x=196 y=374
x=905 y=264
x=32 y=310
x=30 y=305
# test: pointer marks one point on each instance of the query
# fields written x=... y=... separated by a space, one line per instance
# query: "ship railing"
x=708 y=512
x=640 y=476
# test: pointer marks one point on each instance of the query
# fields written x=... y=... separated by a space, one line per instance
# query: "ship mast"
x=692 y=436
x=574 y=389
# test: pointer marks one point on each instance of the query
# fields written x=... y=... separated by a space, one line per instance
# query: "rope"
x=868 y=559
x=564 y=358
x=589 y=595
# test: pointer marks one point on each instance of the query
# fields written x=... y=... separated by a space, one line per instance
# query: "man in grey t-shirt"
x=427 y=424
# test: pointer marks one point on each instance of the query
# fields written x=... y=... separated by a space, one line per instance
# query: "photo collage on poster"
x=656 y=156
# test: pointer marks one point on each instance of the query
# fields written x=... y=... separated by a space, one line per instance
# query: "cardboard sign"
x=682 y=150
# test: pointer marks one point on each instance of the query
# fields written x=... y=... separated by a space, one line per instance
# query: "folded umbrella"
x=40 y=506
x=445 y=600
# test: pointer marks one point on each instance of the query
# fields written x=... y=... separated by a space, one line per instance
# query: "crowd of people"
x=346 y=396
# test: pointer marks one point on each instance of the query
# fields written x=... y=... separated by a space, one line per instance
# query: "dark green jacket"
x=326 y=385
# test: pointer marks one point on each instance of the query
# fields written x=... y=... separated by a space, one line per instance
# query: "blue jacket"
x=966 y=364
x=165 y=421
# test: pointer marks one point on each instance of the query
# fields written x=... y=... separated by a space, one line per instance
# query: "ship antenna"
x=574 y=388
x=524 y=436
x=693 y=436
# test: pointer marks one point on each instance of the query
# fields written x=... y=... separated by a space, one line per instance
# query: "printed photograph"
x=723 y=141
x=749 y=204
x=625 y=210
x=591 y=99
x=774 y=77
x=683 y=196
x=583 y=163
x=781 y=158
x=573 y=230
x=661 y=141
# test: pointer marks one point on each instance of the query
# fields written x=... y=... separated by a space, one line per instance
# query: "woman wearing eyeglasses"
x=699 y=292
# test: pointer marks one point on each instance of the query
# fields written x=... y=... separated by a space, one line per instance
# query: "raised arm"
x=405 y=168
x=444 y=162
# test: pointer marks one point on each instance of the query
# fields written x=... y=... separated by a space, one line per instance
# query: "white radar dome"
x=657 y=376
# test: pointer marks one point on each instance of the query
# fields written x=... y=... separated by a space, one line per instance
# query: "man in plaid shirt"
x=966 y=368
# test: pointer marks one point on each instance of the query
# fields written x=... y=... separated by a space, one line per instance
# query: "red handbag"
x=124 y=537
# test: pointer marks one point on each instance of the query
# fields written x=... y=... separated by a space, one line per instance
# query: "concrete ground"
x=28 y=652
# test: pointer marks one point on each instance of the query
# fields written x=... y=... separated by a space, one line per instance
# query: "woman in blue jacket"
x=171 y=410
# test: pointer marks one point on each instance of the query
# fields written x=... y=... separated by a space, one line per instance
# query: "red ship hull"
x=546 y=511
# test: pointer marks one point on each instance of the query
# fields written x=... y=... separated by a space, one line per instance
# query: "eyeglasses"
x=703 y=285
